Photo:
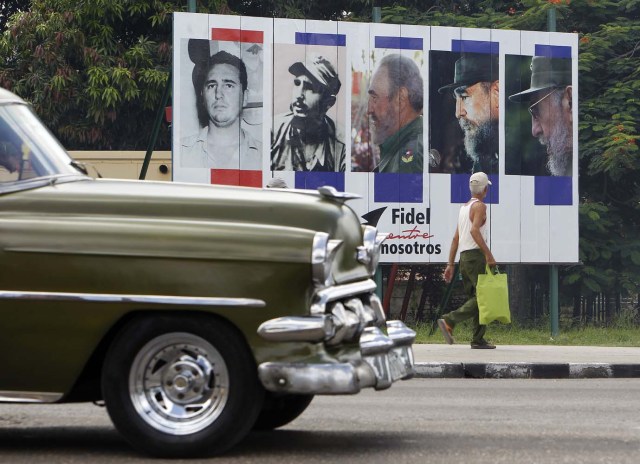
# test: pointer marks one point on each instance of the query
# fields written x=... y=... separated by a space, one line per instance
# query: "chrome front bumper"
x=349 y=319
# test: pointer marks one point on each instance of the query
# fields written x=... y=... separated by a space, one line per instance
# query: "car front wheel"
x=181 y=387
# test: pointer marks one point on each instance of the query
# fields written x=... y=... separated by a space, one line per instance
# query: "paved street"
x=417 y=421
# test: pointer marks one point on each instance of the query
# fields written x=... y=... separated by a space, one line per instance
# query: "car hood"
x=298 y=211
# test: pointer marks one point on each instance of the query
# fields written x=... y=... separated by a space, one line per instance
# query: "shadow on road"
x=75 y=440
x=339 y=444
x=106 y=444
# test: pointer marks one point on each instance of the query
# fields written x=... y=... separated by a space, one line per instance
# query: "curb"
x=522 y=370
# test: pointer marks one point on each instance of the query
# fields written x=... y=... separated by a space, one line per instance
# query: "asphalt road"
x=418 y=421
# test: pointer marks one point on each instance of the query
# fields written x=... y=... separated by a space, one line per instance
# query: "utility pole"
x=191 y=5
x=376 y=16
x=554 y=312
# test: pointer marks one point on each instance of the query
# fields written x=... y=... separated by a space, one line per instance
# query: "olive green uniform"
x=402 y=152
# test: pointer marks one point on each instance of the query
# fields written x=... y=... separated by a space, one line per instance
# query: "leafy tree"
x=609 y=157
x=94 y=70
x=9 y=7
x=301 y=9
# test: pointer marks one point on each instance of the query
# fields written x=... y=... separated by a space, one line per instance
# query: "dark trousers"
x=472 y=263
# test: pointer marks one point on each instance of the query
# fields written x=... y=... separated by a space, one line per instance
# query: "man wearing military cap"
x=476 y=89
x=395 y=108
x=550 y=98
x=305 y=138
x=220 y=84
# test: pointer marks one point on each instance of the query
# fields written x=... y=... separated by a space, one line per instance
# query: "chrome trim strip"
x=326 y=295
x=400 y=333
x=365 y=251
x=323 y=254
x=29 y=397
x=297 y=329
x=376 y=306
x=314 y=379
x=319 y=248
x=146 y=299
x=373 y=341
x=347 y=325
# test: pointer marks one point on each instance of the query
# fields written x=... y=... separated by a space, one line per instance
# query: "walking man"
x=471 y=239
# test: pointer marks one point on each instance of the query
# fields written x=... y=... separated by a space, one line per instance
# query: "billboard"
x=400 y=114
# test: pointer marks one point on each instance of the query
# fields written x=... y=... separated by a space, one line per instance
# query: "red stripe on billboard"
x=237 y=35
x=236 y=177
x=251 y=178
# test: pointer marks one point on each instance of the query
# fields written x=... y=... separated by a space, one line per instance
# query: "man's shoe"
x=482 y=346
x=447 y=332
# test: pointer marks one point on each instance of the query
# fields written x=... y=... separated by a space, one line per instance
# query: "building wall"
x=125 y=164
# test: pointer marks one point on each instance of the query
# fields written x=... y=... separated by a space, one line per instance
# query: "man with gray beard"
x=395 y=108
x=550 y=97
x=476 y=90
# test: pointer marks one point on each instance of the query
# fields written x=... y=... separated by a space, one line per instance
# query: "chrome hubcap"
x=179 y=383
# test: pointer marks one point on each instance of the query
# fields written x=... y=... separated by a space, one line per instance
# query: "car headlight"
x=322 y=257
x=369 y=251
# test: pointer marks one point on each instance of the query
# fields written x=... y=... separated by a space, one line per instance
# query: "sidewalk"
x=526 y=362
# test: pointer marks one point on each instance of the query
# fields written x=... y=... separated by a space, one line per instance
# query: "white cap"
x=277 y=182
x=479 y=178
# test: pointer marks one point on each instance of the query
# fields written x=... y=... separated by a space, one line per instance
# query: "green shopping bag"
x=493 y=297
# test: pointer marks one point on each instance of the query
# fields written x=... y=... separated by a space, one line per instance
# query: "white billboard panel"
x=399 y=114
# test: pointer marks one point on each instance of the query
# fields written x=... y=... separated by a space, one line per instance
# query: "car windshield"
x=27 y=149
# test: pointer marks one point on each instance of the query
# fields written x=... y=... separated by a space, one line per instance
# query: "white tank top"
x=465 y=240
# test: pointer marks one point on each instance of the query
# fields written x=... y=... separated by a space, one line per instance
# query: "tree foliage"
x=94 y=70
x=301 y=9
x=8 y=8
x=609 y=157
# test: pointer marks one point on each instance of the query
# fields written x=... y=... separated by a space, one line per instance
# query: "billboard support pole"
x=554 y=313
x=376 y=16
x=551 y=19
x=156 y=128
x=191 y=5
x=553 y=300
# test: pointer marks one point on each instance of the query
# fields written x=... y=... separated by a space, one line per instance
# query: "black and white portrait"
x=307 y=135
x=222 y=122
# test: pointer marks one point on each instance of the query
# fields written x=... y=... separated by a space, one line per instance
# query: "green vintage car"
x=195 y=312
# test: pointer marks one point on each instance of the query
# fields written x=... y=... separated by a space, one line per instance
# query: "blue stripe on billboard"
x=399 y=43
x=397 y=188
x=552 y=190
x=460 y=189
x=312 y=180
x=553 y=51
x=475 y=46
x=310 y=38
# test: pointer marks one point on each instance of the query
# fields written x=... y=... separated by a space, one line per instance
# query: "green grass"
x=511 y=334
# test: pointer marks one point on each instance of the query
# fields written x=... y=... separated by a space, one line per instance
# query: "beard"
x=481 y=140
x=383 y=128
x=559 y=150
